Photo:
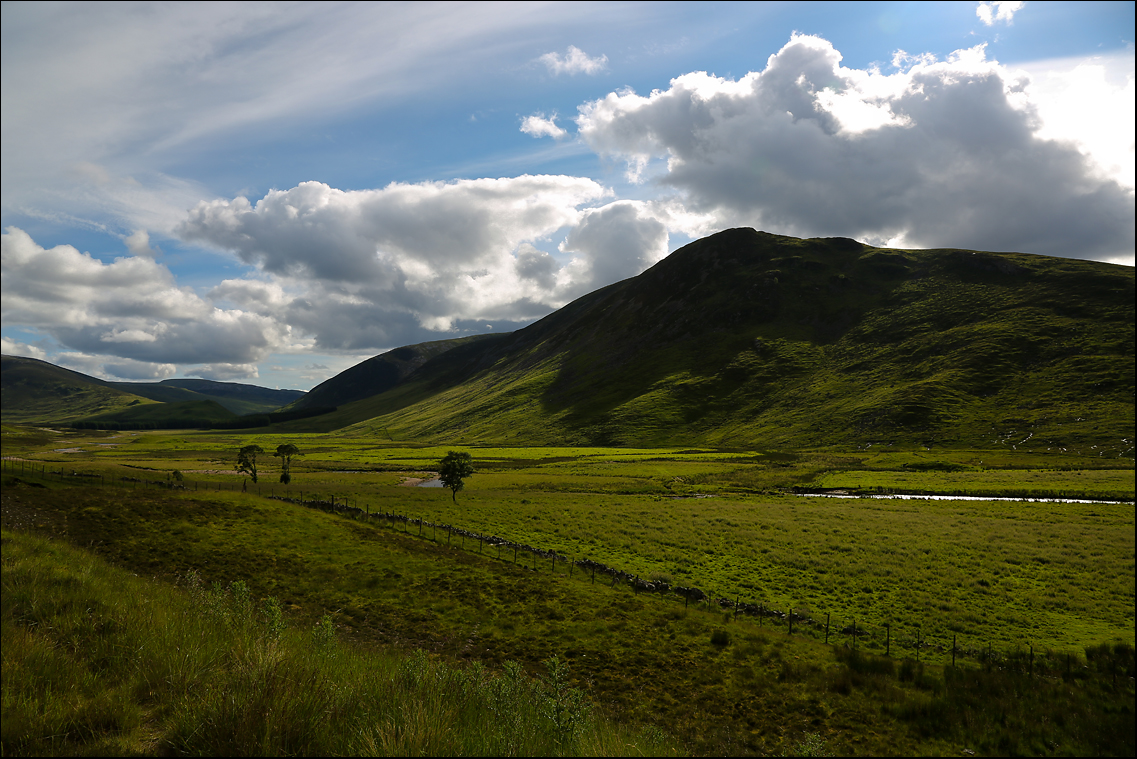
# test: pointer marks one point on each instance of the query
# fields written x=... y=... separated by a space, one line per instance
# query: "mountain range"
x=750 y=339
x=39 y=391
x=746 y=338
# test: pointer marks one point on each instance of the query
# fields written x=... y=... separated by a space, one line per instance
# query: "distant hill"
x=181 y=415
x=39 y=391
x=378 y=374
x=752 y=339
x=237 y=397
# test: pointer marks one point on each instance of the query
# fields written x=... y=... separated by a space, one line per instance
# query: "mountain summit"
x=746 y=338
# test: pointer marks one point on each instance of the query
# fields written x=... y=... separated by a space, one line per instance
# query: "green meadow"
x=98 y=661
x=1029 y=594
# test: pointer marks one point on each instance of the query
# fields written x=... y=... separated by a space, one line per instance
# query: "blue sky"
x=271 y=193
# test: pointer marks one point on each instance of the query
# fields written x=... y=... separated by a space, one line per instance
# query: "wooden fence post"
x=827 y=628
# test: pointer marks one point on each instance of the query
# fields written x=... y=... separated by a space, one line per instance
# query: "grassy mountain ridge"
x=377 y=374
x=35 y=390
x=235 y=396
x=180 y=415
x=747 y=338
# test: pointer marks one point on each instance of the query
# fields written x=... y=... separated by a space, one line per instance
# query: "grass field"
x=1116 y=484
x=99 y=661
x=1058 y=577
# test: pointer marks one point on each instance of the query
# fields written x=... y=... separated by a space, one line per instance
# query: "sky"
x=272 y=192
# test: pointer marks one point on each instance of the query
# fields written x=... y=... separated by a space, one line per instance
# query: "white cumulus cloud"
x=539 y=126
x=574 y=61
x=225 y=372
x=131 y=309
x=999 y=10
x=938 y=153
x=370 y=269
x=112 y=368
x=138 y=244
x=11 y=347
x=377 y=267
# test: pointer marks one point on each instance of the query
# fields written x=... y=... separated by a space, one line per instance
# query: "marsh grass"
x=1112 y=484
x=1053 y=575
x=98 y=661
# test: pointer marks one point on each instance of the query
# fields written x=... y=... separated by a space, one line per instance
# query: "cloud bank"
x=131 y=309
x=938 y=154
x=383 y=267
x=962 y=152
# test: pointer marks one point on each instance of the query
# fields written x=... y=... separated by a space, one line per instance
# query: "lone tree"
x=453 y=470
x=286 y=452
x=247 y=460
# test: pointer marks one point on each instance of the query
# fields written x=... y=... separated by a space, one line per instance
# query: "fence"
x=901 y=640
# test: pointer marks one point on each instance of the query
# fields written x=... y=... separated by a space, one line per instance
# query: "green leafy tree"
x=453 y=470
x=285 y=452
x=247 y=460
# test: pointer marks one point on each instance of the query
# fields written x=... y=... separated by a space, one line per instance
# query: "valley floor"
x=1021 y=596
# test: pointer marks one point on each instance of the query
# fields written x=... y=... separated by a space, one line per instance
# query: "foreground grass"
x=99 y=661
x=1007 y=575
x=717 y=683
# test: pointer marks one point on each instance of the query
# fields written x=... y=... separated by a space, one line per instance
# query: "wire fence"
x=889 y=640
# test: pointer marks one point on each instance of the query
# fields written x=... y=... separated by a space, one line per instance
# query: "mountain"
x=165 y=416
x=746 y=338
x=235 y=396
x=378 y=374
x=35 y=390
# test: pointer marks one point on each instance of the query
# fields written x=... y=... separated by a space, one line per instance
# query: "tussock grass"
x=1008 y=575
x=1112 y=484
x=98 y=661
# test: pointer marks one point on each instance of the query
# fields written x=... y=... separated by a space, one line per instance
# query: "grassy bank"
x=1034 y=601
x=717 y=682
x=99 y=661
